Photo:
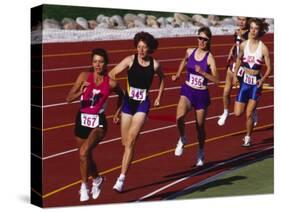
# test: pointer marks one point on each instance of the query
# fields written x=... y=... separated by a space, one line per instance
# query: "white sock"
x=83 y=186
x=97 y=180
x=225 y=112
x=121 y=177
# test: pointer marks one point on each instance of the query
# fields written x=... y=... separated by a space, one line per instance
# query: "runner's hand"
x=259 y=83
x=174 y=78
x=199 y=70
x=157 y=102
x=116 y=118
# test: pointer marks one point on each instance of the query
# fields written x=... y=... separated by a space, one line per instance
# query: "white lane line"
x=109 y=65
x=114 y=64
x=142 y=133
x=200 y=172
x=114 y=96
x=111 y=96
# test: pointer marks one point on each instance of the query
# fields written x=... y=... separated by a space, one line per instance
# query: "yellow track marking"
x=151 y=157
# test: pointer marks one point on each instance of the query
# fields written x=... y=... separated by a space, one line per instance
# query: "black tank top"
x=140 y=76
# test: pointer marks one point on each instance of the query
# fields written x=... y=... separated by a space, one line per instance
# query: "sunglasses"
x=202 y=38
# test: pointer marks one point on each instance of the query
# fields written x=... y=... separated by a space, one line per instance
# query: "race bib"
x=89 y=120
x=240 y=72
x=250 y=79
x=137 y=94
x=196 y=81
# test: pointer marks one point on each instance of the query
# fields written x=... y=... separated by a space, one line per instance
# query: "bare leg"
x=130 y=129
x=87 y=164
x=227 y=89
x=239 y=108
x=226 y=97
x=200 y=126
x=184 y=106
x=131 y=137
x=249 y=116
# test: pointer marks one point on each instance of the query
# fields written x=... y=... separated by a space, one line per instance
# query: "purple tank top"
x=190 y=66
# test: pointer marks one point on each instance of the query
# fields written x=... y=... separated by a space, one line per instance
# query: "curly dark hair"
x=208 y=33
x=101 y=52
x=148 y=39
x=263 y=26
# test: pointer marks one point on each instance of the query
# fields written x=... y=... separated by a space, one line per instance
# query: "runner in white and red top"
x=93 y=88
x=253 y=53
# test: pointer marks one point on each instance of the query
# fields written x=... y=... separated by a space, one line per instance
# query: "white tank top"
x=253 y=60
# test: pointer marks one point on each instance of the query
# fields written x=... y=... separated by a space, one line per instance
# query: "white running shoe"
x=200 y=158
x=200 y=162
x=180 y=147
x=96 y=187
x=255 y=118
x=84 y=196
x=247 y=141
x=222 y=119
x=119 y=185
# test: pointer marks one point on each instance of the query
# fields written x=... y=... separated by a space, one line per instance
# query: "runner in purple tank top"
x=200 y=67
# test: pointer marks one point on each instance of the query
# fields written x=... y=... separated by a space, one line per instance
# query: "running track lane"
x=158 y=137
x=157 y=170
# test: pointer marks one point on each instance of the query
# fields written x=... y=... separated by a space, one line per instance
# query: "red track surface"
x=155 y=165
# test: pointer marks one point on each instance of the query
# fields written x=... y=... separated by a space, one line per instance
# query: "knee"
x=249 y=116
x=237 y=113
x=130 y=142
x=180 y=119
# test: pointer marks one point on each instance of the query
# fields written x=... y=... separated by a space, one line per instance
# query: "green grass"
x=59 y=12
x=256 y=178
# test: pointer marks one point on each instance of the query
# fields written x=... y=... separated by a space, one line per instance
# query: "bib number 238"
x=89 y=120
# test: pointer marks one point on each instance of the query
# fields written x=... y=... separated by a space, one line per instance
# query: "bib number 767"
x=89 y=120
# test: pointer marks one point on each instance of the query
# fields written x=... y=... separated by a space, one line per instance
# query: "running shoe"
x=180 y=147
x=247 y=141
x=222 y=119
x=119 y=185
x=200 y=162
x=200 y=158
x=84 y=194
x=96 y=189
x=255 y=118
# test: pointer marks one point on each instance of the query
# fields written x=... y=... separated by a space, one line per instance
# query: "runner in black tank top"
x=141 y=69
x=141 y=76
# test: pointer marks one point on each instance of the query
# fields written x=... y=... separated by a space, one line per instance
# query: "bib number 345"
x=137 y=94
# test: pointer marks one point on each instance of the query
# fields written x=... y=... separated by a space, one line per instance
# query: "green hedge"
x=59 y=12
